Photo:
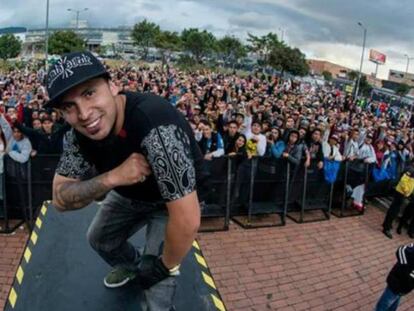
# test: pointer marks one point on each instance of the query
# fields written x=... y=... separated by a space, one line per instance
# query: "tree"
x=144 y=36
x=285 y=58
x=327 y=75
x=167 y=42
x=353 y=75
x=364 y=87
x=263 y=45
x=230 y=49
x=402 y=89
x=198 y=43
x=10 y=46
x=61 y=42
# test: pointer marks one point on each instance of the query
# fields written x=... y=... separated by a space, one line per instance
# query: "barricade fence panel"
x=236 y=186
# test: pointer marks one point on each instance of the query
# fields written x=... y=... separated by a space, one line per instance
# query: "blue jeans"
x=388 y=301
x=117 y=219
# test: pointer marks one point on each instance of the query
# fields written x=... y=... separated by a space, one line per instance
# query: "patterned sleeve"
x=169 y=154
x=72 y=164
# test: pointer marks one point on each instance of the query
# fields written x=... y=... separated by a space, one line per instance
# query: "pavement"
x=340 y=264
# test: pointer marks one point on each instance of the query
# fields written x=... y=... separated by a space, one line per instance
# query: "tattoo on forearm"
x=75 y=195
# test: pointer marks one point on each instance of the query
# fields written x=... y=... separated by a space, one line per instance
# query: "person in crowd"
x=293 y=151
x=18 y=147
x=276 y=143
x=230 y=136
x=403 y=190
x=315 y=148
x=45 y=140
x=351 y=149
x=366 y=151
x=211 y=144
x=330 y=148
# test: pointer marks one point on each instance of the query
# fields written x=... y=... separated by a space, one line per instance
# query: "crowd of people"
x=251 y=116
x=246 y=116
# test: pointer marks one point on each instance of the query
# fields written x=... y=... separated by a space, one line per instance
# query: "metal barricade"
x=17 y=194
x=266 y=190
x=309 y=194
x=215 y=197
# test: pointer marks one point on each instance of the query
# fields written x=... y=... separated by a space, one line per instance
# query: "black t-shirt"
x=151 y=127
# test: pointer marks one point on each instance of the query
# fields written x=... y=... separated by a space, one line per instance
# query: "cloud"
x=252 y=20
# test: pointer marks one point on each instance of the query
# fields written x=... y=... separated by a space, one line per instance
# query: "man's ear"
x=114 y=89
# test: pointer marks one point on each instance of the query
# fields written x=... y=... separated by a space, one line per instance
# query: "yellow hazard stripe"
x=195 y=244
x=27 y=255
x=34 y=237
x=39 y=223
x=43 y=210
x=12 y=297
x=20 y=275
x=208 y=280
x=201 y=260
x=218 y=303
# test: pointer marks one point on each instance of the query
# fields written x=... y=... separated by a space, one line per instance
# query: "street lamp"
x=282 y=32
x=362 y=59
x=408 y=63
x=77 y=15
x=47 y=34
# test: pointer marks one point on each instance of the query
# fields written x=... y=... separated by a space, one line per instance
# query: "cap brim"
x=54 y=102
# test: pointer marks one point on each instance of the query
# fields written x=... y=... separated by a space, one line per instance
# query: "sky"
x=322 y=29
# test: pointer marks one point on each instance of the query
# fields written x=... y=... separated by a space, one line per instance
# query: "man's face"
x=90 y=108
x=290 y=123
x=316 y=136
x=207 y=131
x=233 y=129
x=36 y=124
x=256 y=128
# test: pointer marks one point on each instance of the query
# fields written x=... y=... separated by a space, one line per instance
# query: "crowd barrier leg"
x=216 y=209
x=228 y=194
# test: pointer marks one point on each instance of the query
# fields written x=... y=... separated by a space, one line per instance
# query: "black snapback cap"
x=69 y=71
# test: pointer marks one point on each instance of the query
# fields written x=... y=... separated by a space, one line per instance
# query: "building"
x=317 y=67
x=116 y=40
x=401 y=77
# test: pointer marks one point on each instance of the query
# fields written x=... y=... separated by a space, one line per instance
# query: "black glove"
x=151 y=271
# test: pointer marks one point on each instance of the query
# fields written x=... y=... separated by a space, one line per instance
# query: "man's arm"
x=181 y=230
x=70 y=193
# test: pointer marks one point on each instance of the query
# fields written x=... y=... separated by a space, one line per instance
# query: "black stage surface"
x=61 y=272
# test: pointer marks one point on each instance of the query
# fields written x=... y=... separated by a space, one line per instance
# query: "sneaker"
x=387 y=233
x=119 y=277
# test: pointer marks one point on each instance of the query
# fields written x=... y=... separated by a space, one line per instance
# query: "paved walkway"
x=11 y=250
x=339 y=264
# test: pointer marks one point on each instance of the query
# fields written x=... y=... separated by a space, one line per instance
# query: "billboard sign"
x=377 y=57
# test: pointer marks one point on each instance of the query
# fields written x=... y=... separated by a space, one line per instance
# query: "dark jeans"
x=117 y=219
x=388 y=301
x=408 y=217
x=394 y=210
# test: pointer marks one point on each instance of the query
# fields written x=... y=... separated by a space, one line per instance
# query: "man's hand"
x=133 y=170
x=151 y=271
